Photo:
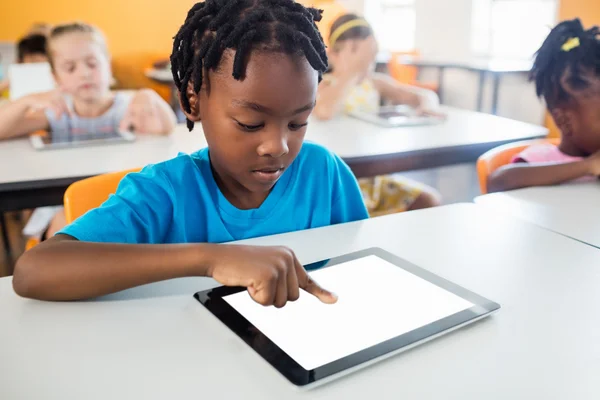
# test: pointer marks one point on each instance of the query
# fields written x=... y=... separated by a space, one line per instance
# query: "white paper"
x=26 y=79
x=377 y=301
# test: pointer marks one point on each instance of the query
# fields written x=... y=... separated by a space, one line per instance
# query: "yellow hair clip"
x=571 y=44
x=346 y=27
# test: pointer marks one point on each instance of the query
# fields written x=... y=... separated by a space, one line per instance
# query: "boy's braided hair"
x=213 y=26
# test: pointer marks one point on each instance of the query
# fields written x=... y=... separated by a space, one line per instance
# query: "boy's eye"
x=295 y=127
x=250 y=128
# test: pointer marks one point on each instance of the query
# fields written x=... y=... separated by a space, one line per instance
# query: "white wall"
x=444 y=30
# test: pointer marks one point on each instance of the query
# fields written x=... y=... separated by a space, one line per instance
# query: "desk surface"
x=156 y=342
x=571 y=210
x=352 y=139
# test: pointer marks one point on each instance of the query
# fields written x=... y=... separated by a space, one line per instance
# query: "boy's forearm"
x=518 y=175
x=63 y=268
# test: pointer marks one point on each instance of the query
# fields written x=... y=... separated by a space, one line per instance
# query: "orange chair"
x=85 y=195
x=408 y=74
x=502 y=155
x=90 y=193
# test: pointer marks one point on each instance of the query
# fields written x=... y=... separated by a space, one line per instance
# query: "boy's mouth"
x=268 y=174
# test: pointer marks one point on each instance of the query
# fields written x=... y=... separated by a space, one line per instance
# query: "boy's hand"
x=273 y=275
x=53 y=100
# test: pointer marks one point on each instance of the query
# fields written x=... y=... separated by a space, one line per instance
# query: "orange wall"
x=589 y=13
x=131 y=26
x=138 y=26
x=587 y=10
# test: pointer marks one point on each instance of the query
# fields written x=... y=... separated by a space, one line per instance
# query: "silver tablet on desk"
x=62 y=140
x=395 y=116
x=385 y=306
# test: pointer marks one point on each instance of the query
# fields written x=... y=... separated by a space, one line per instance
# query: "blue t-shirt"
x=178 y=201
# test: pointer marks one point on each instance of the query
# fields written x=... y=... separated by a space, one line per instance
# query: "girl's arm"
x=418 y=98
x=520 y=175
x=26 y=115
x=63 y=268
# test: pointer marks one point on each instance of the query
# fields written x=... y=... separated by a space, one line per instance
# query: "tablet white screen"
x=377 y=301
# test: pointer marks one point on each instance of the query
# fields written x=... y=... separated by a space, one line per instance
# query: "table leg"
x=495 y=93
x=5 y=238
x=480 y=91
x=441 y=84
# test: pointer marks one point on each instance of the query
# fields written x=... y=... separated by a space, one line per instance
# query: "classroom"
x=300 y=199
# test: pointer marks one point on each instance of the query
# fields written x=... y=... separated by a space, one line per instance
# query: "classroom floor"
x=456 y=184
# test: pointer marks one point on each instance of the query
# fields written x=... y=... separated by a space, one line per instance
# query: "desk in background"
x=570 y=209
x=484 y=67
x=39 y=178
x=156 y=342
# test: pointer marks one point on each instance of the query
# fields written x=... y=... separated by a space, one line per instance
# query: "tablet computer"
x=385 y=305
x=395 y=116
x=49 y=141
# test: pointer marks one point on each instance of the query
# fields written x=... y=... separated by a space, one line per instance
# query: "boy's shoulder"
x=182 y=166
x=315 y=153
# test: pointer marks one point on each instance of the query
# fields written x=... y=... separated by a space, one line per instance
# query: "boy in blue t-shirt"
x=248 y=70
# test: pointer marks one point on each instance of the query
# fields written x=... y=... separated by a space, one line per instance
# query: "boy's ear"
x=194 y=99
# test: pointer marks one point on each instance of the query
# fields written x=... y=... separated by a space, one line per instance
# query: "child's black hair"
x=213 y=26
x=556 y=58
x=357 y=32
x=32 y=44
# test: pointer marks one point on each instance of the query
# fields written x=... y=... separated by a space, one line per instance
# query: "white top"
x=570 y=209
x=157 y=342
x=349 y=138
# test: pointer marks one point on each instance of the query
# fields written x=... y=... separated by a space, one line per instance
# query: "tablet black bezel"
x=213 y=301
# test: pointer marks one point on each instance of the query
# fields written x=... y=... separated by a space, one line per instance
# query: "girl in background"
x=83 y=101
x=566 y=73
x=350 y=85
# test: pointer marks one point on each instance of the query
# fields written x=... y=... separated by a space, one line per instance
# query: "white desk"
x=571 y=210
x=156 y=342
x=40 y=178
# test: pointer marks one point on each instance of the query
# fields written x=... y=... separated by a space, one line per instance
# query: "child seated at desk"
x=84 y=102
x=566 y=73
x=351 y=84
x=81 y=65
x=30 y=49
x=248 y=71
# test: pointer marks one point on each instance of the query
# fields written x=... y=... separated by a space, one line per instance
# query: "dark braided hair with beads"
x=213 y=26
x=575 y=64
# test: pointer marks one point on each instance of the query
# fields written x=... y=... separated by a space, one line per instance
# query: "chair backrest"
x=90 y=193
x=400 y=72
x=502 y=155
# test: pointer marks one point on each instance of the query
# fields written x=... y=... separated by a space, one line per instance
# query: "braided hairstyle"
x=213 y=26
x=555 y=60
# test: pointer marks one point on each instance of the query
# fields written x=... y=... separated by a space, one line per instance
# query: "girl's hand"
x=425 y=112
x=53 y=100
x=593 y=162
x=273 y=275
x=354 y=57
x=143 y=114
